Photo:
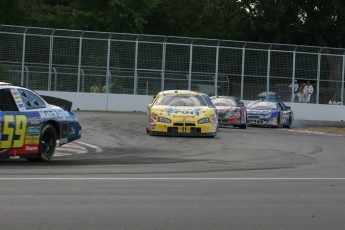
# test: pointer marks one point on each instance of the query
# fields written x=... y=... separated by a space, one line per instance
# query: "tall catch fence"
x=97 y=62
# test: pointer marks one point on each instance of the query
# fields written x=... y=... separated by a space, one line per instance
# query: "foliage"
x=318 y=22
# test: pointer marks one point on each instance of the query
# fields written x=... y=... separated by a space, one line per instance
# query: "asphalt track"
x=119 y=177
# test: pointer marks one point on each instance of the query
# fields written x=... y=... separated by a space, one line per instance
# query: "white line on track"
x=171 y=178
x=313 y=132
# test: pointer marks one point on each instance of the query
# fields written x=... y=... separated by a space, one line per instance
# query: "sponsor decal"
x=14 y=92
x=184 y=121
x=31 y=148
x=183 y=117
x=32 y=131
x=32 y=140
x=35 y=122
x=183 y=111
x=54 y=114
x=72 y=131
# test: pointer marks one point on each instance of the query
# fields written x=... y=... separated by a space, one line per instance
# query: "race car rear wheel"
x=244 y=120
x=47 y=144
x=243 y=126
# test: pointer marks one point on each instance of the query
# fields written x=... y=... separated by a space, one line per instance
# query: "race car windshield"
x=181 y=100
x=262 y=105
x=224 y=102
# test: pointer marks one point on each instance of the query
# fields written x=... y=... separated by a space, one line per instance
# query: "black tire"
x=278 y=122
x=290 y=122
x=243 y=126
x=213 y=136
x=149 y=132
x=47 y=144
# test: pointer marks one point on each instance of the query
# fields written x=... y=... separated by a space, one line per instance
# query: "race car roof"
x=180 y=92
x=4 y=83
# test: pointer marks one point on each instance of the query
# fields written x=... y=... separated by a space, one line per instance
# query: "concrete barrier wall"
x=124 y=102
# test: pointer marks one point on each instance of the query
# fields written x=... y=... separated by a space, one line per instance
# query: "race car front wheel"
x=47 y=144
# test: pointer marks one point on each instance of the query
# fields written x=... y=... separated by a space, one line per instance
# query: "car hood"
x=226 y=108
x=182 y=111
x=260 y=111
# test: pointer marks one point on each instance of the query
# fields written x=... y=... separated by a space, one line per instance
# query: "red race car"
x=231 y=111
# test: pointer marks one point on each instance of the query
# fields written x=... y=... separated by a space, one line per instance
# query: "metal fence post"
x=163 y=63
x=318 y=76
x=242 y=68
x=55 y=78
x=23 y=57
x=82 y=76
x=216 y=71
x=293 y=75
x=268 y=71
x=190 y=65
x=27 y=76
x=342 y=81
x=136 y=66
x=107 y=80
x=50 y=65
x=79 y=61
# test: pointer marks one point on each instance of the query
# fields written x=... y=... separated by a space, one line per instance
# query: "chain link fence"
x=85 y=61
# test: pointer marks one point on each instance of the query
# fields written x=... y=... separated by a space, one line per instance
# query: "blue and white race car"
x=30 y=127
x=269 y=113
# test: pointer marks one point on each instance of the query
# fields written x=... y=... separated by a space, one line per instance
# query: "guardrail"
x=138 y=103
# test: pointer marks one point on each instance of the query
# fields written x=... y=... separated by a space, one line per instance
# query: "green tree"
x=98 y=15
x=318 y=22
x=11 y=12
x=176 y=18
x=225 y=19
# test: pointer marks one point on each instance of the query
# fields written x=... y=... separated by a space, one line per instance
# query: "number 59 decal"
x=14 y=128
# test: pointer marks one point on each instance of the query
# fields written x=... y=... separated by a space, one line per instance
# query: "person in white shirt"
x=308 y=91
x=294 y=88
x=300 y=93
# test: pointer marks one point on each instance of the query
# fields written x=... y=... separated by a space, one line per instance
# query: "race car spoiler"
x=64 y=104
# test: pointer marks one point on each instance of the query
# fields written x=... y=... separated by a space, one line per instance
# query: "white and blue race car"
x=269 y=114
x=30 y=127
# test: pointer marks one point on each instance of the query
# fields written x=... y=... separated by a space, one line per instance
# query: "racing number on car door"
x=14 y=128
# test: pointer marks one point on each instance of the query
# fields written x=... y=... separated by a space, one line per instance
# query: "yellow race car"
x=181 y=113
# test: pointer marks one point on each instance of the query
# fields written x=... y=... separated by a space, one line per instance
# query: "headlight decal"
x=204 y=120
x=154 y=116
x=164 y=120
x=268 y=115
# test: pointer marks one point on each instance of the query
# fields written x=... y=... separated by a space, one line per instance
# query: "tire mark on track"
x=76 y=148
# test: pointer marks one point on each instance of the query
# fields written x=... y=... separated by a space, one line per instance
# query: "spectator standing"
x=294 y=88
x=104 y=89
x=94 y=88
x=308 y=91
x=300 y=93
